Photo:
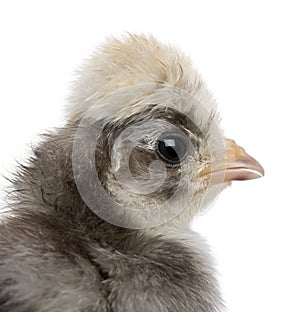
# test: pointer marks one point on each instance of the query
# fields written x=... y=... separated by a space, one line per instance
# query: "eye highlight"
x=172 y=148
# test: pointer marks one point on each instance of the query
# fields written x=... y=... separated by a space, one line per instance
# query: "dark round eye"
x=172 y=148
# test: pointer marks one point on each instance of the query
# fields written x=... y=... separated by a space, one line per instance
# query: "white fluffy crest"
x=130 y=61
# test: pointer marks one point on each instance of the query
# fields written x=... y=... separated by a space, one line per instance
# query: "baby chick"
x=100 y=215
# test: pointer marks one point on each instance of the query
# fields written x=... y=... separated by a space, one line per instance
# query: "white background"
x=249 y=54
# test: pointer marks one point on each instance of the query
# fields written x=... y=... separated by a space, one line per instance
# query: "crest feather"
x=131 y=60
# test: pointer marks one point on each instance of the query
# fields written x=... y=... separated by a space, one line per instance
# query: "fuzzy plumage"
x=56 y=253
x=134 y=60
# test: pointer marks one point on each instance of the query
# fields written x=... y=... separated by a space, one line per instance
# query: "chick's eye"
x=171 y=148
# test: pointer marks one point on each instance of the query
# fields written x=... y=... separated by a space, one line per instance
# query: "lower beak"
x=238 y=165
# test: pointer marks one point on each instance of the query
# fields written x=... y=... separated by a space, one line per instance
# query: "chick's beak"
x=237 y=165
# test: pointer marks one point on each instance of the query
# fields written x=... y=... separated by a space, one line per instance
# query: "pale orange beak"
x=238 y=165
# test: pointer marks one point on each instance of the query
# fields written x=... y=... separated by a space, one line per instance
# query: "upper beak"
x=237 y=165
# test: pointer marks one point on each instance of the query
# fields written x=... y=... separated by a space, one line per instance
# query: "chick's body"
x=57 y=253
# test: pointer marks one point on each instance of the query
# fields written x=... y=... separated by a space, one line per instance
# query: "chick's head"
x=149 y=147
